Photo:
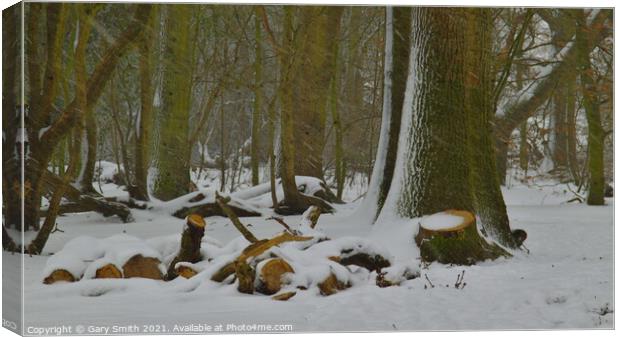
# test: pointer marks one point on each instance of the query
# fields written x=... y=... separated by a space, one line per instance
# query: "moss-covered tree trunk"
x=173 y=156
x=596 y=135
x=435 y=166
x=290 y=62
x=288 y=65
x=258 y=100
x=11 y=121
x=319 y=25
x=489 y=201
x=139 y=190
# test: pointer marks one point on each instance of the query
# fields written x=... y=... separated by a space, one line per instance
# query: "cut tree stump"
x=108 y=271
x=59 y=275
x=190 y=244
x=270 y=277
x=140 y=266
x=451 y=237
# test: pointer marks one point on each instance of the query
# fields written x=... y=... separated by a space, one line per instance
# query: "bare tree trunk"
x=174 y=156
x=139 y=190
x=258 y=97
x=596 y=137
x=318 y=25
x=11 y=118
x=85 y=26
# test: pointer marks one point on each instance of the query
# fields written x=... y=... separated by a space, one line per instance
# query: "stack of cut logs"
x=253 y=270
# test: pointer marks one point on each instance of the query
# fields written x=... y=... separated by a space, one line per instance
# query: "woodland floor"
x=565 y=282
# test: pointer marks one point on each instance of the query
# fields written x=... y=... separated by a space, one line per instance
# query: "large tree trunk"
x=489 y=202
x=11 y=113
x=435 y=165
x=319 y=24
x=294 y=202
x=139 y=190
x=174 y=156
x=292 y=198
x=596 y=136
x=258 y=100
x=397 y=45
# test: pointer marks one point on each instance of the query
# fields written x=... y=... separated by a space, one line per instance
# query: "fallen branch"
x=253 y=250
x=222 y=202
x=208 y=209
x=81 y=202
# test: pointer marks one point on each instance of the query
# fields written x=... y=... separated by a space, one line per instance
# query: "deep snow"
x=565 y=282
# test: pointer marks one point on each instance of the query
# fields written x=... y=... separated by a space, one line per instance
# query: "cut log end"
x=140 y=266
x=451 y=237
x=196 y=220
x=331 y=285
x=59 y=275
x=108 y=271
x=270 y=277
x=186 y=272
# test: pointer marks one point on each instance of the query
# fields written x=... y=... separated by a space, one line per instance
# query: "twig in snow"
x=429 y=281
x=459 y=281
x=525 y=248
x=56 y=229
x=281 y=222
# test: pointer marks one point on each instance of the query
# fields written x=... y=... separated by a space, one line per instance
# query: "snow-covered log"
x=114 y=257
x=80 y=202
x=452 y=237
x=260 y=195
x=206 y=206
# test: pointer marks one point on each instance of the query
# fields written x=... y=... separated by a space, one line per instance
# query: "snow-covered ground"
x=566 y=281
